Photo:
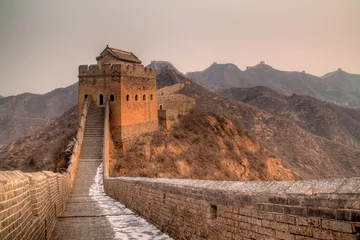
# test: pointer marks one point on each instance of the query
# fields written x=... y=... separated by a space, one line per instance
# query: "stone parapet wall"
x=204 y=209
x=170 y=89
x=178 y=102
x=116 y=70
x=30 y=202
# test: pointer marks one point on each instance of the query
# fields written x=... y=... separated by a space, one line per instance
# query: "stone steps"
x=89 y=213
x=91 y=150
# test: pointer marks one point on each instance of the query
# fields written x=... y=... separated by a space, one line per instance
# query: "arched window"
x=144 y=97
x=85 y=97
x=101 y=99
x=136 y=97
x=128 y=97
x=112 y=98
x=160 y=107
x=151 y=97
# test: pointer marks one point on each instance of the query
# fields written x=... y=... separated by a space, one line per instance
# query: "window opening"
x=101 y=99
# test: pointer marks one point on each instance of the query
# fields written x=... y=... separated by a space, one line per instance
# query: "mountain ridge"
x=329 y=87
x=27 y=113
x=331 y=121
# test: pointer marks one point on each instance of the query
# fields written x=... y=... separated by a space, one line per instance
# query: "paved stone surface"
x=91 y=214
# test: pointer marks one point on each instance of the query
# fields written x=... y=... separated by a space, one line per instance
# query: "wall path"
x=89 y=212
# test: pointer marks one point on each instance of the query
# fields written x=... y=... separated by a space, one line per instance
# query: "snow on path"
x=125 y=223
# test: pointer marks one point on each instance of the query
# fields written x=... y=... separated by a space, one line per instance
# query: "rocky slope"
x=27 y=113
x=336 y=123
x=336 y=87
x=201 y=146
x=307 y=156
x=43 y=150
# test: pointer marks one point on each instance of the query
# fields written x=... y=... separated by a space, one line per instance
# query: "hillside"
x=27 y=113
x=43 y=150
x=336 y=123
x=307 y=156
x=341 y=81
x=338 y=87
x=201 y=146
x=1 y=96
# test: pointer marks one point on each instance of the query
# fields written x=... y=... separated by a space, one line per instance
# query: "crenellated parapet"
x=115 y=70
x=96 y=70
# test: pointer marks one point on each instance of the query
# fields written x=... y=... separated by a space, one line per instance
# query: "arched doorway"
x=101 y=99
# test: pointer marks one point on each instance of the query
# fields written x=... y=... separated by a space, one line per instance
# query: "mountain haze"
x=159 y=65
x=331 y=121
x=337 y=87
x=27 y=113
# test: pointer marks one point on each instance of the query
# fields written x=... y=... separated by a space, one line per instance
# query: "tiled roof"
x=120 y=54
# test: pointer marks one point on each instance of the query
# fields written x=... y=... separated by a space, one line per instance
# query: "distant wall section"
x=171 y=105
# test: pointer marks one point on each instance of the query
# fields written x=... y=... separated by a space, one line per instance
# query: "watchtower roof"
x=120 y=55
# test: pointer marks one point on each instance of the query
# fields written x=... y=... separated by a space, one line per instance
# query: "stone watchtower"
x=130 y=89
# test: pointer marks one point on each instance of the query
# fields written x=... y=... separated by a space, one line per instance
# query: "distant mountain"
x=337 y=87
x=336 y=123
x=159 y=65
x=307 y=155
x=167 y=74
x=1 y=96
x=26 y=113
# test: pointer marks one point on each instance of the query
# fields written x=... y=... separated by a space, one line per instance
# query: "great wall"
x=84 y=203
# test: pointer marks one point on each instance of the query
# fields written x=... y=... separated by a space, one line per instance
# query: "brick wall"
x=170 y=89
x=203 y=209
x=30 y=202
x=178 y=102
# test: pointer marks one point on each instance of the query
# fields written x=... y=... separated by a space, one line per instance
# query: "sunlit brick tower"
x=130 y=89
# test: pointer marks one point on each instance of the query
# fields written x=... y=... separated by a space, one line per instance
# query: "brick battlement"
x=205 y=209
x=115 y=69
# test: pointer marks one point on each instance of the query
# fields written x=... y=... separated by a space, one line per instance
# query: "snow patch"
x=125 y=223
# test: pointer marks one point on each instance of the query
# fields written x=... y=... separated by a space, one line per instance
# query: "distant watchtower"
x=130 y=89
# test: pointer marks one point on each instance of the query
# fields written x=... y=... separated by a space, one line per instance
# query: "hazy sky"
x=42 y=42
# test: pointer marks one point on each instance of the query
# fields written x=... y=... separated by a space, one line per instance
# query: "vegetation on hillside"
x=203 y=146
x=44 y=150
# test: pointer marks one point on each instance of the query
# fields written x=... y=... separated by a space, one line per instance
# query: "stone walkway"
x=91 y=214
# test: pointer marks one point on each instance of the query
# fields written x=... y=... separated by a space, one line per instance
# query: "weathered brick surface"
x=200 y=209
